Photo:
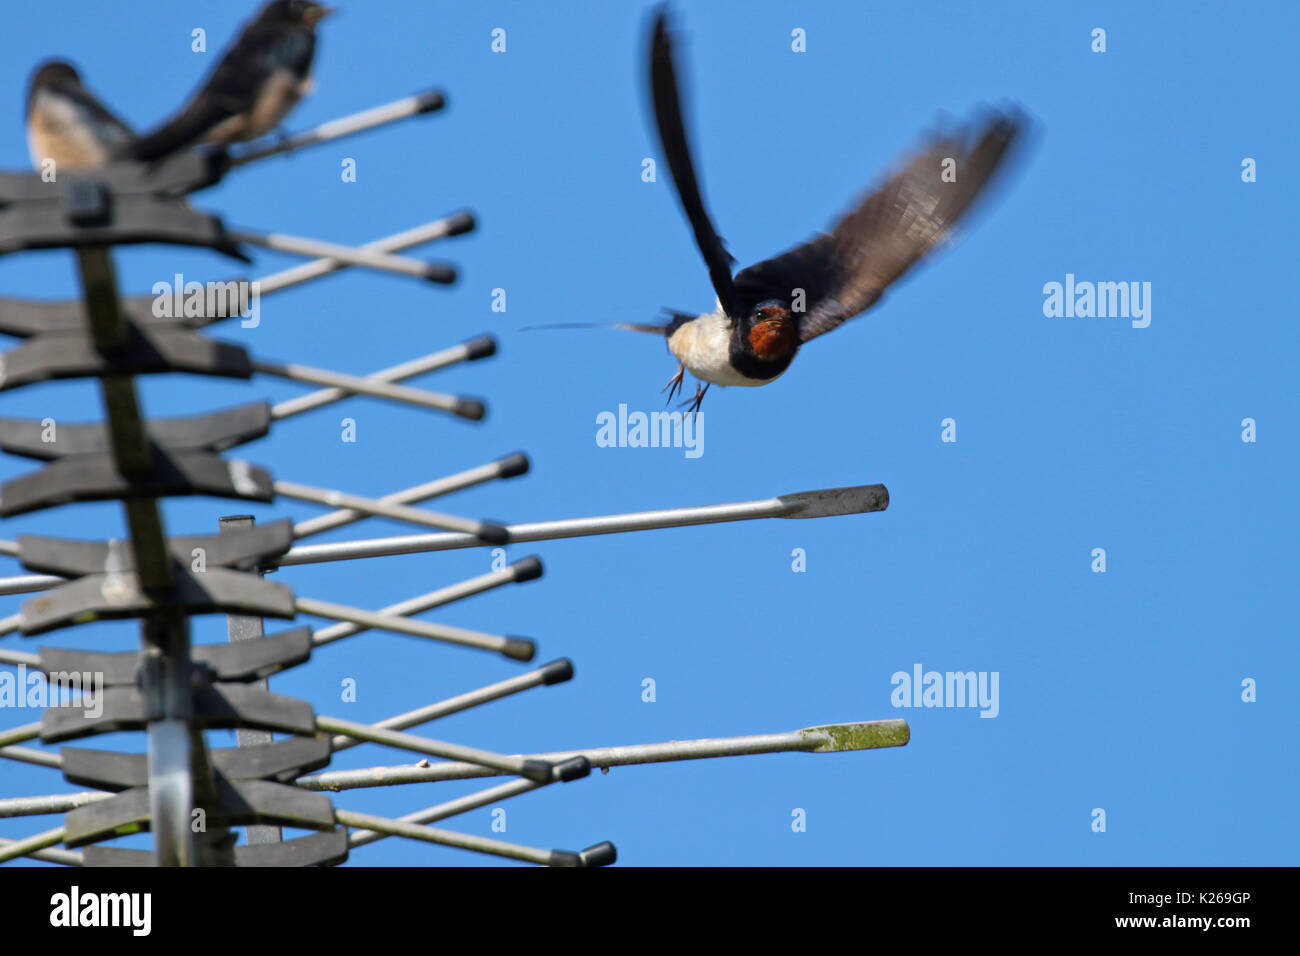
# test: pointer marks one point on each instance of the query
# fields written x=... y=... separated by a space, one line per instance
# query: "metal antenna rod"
x=66 y=857
x=453 y=225
x=37 y=841
x=517 y=648
x=39 y=758
x=528 y=569
x=452 y=808
x=508 y=467
x=19 y=657
x=16 y=735
x=808 y=504
x=831 y=738
x=25 y=584
x=489 y=532
x=478 y=348
x=464 y=408
x=464 y=841
x=366 y=259
x=540 y=770
x=553 y=673
x=427 y=102
x=861 y=499
x=50 y=803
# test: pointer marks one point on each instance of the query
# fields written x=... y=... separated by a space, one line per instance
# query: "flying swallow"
x=261 y=77
x=764 y=314
x=66 y=123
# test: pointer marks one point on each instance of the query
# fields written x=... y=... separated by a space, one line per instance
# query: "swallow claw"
x=675 y=384
x=698 y=400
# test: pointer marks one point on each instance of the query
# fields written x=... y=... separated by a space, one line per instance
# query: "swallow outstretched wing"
x=672 y=136
x=843 y=273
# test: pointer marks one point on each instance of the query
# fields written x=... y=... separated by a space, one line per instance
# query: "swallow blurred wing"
x=843 y=274
x=672 y=136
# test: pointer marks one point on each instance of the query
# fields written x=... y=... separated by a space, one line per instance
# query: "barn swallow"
x=261 y=77
x=764 y=314
x=66 y=123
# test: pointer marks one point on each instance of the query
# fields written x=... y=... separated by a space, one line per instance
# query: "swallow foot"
x=674 y=384
x=698 y=400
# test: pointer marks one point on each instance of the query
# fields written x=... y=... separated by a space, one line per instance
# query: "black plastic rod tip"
x=470 y=408
x=431 y=100
x=512 y=466
x=480 y=348
x=575 y=768
x=519 y=649
x=439 y=273
x=538 y=771
x=461 y=223
x=602 y=854
x=557 y=672
x=529 y=569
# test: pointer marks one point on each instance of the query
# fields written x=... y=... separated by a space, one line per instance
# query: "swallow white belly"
x=703 y=345
x=62 y=133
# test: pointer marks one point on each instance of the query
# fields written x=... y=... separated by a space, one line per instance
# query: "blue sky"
x=1119 y=690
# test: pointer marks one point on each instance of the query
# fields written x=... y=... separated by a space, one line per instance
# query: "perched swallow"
x=66 y=123
x=766 y=312
x=261 y=77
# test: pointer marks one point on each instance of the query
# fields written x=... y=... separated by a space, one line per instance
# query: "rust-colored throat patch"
x=773 y=336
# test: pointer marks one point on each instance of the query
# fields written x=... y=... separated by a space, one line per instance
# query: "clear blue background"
x=1119 y=690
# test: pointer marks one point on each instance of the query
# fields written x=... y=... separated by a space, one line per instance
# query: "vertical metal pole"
x=171 y=784
x=244 y=628
x=166 y=676
x=180 y=776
